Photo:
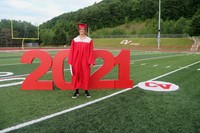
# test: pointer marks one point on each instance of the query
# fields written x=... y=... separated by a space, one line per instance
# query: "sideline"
x=131 y=62
x=85 y=104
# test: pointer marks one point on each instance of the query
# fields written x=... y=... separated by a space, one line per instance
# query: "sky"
x=39 y=11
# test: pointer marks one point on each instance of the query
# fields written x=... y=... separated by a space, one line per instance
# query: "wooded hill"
x=21 y=29
x=178 y=17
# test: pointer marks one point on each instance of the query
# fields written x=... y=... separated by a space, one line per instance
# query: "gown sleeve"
x=70 y=58
x=91 y=53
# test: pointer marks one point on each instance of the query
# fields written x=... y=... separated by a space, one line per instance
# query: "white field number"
x=158 y=86
x=5 y=74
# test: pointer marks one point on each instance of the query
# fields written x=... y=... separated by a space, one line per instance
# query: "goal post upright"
x=23 y=38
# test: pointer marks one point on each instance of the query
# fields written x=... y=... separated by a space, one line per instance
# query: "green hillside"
x=128 y=28
x=115 y=17
x=125 y=17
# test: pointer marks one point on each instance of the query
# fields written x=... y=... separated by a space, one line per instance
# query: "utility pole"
x=159 y=14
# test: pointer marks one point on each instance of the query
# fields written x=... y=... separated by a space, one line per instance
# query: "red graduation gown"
x=81 y=57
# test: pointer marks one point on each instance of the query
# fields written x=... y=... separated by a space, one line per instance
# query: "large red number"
x=95 y=79
x=122 y=60
x=57 y=70
x=31 y=82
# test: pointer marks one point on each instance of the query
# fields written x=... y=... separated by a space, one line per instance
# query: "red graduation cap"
x=82 y=26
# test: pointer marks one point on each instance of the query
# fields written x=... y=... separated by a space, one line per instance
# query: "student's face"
x=82 y=31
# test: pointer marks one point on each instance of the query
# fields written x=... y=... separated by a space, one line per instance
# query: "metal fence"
x=142 y=36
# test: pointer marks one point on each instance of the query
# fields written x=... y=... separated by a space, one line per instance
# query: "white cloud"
x=39 y=11
x=18 y=4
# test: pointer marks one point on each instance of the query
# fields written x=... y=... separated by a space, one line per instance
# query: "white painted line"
x=61 y=112
x=155 y=65
x=168 y=66
x=143 y=64
x=5 y=74
x=175 y=71
x=198 y=69
x=160 y=57
x=83 y=105
x=15 y=76
x=12 y=59
x=131 y=60
x=17 y=64
x=11 y=84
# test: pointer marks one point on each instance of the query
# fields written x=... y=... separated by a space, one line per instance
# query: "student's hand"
x=91 y=65
x=70 y=67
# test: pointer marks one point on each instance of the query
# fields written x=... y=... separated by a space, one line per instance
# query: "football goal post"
x=23 y=38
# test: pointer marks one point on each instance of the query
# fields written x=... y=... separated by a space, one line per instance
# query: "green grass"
x=133 y=111
x=166 y=43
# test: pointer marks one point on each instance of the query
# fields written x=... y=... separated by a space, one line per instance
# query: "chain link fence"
x=142 y=36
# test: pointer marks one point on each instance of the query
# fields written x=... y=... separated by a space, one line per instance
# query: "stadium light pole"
x=159 y=14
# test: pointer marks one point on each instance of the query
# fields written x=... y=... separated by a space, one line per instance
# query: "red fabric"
x=82 y=26
x=81 y=57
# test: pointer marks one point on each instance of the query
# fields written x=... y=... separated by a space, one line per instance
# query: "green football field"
x=108 y=110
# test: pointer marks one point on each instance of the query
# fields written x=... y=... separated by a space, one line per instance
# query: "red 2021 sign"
x=32 y=82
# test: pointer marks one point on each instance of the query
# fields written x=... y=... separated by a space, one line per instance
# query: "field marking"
x=11 y=84
x=17 y=64
x=160 y=57
x=175 y=71
x=131 y=60
x=12 y=59
x=85 y=104
x=6 y=74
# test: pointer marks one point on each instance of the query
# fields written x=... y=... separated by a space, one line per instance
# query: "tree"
x=59 y=33
x=195 y=24
x=168 y=27
x=180 y=26
x=145 y=9
x=72 y=31
x=5 y=37
x=46 y=36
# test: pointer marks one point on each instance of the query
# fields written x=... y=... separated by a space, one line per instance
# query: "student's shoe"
x=87 y=94
x=76 y=94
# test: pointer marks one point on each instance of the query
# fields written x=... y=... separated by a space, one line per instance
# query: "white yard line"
x=11 y=84
x=159 y=57
x=11 y=59
x=131 y=62
x=16 y=64
x=85 y=104
x=175 y=71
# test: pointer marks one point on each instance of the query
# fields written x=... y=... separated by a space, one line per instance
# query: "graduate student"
x=81 y=59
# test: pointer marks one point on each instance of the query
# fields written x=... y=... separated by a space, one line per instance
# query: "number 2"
x=95 y=79
x=31 y=82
